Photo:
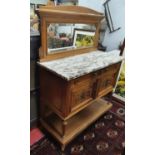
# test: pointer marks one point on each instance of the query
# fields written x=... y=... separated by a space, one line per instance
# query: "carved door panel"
x=107 y=79
x=81 y=96
x=106 y=84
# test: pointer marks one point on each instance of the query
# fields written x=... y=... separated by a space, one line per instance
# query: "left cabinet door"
x=82 y=93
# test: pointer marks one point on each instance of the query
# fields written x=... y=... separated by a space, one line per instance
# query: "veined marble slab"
x=76 y=66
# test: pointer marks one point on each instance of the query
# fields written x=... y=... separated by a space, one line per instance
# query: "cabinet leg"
x=63 y=148
x=64 y=123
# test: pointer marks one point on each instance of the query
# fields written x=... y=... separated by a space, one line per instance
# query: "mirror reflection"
x=69 y=36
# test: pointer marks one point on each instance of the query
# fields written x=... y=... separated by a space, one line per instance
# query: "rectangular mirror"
x=63 y=36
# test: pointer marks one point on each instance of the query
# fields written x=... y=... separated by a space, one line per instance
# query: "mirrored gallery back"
x=63 y=36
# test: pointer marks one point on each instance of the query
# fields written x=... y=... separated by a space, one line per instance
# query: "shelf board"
x=77 y=123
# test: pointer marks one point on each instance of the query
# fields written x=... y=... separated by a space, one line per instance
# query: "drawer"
x=84 y=81
x=111 y=69
x=81 y=96
x=88 y=79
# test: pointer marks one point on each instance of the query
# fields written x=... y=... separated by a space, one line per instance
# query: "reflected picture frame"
x=83 y=38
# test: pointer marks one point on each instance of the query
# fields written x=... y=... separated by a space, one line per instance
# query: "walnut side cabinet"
x=67 y=107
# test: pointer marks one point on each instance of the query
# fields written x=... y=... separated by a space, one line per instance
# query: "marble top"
x=75 y=66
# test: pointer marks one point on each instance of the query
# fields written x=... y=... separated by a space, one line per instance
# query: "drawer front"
x=81 y=95
x=83 y=81
x=111 y=69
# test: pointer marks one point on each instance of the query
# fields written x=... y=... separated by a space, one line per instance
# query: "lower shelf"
x=77 y=123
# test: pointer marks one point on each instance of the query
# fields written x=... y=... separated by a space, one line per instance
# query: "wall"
x=93 y=4
x=113 y=40
x=39 y=1
x=117 y=9
x=45 y=1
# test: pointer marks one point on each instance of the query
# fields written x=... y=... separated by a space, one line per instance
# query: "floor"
x=104 y=137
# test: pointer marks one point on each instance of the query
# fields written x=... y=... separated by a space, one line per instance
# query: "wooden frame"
x=67 y=14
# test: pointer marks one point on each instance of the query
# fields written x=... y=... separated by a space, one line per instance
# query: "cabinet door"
x=82 y=93
x=106 y=84
x=107 y=79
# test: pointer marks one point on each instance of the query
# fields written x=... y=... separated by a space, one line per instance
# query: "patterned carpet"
x=104 y=137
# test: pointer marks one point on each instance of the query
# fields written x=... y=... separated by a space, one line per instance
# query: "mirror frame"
x=68 y=15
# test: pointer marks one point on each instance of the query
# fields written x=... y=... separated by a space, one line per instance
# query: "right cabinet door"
x=107 y=79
